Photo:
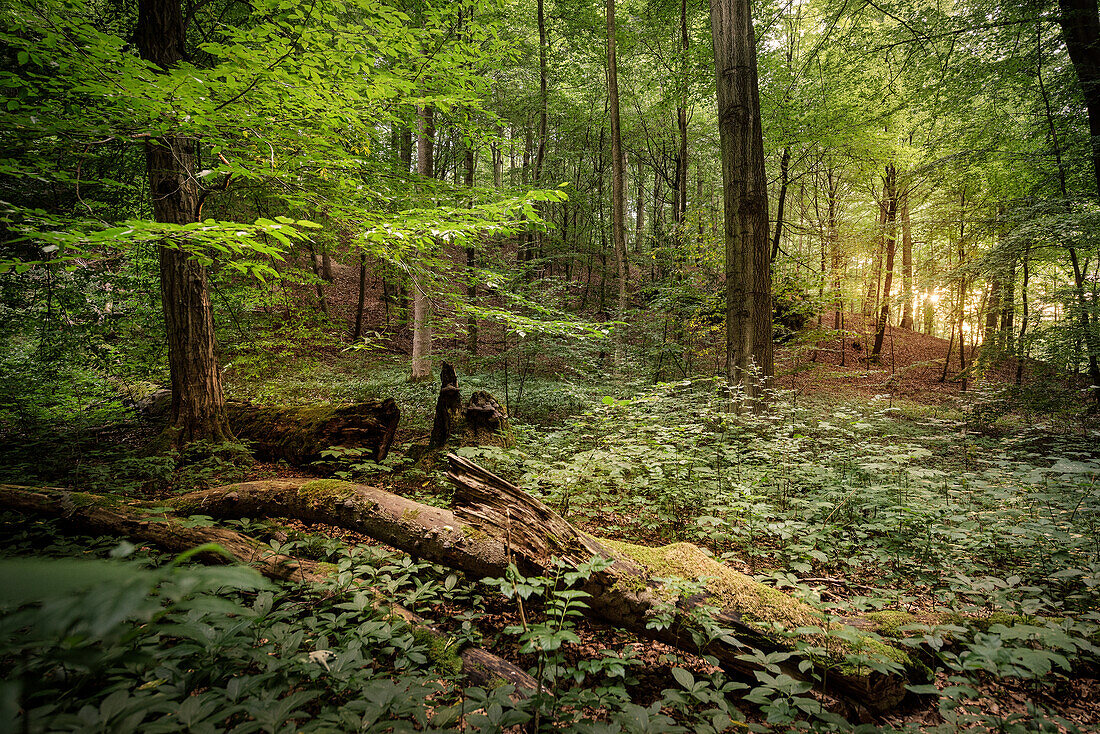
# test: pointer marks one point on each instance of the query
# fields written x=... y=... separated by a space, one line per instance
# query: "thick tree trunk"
x=748 y=265
x=198 y=404
x=1080 y=22
x=88 y=513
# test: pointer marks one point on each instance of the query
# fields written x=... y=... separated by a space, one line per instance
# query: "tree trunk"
x=471 y=264
x=618 y=195
x=1081 y=27
x=198 y=404
x=1080 y=22
x=361 y=302
x=422 y=308
x=448 y=407
x=906 y=263
x=784 y=162
x=890 y=235
x=106 y=516
x=682 y=118
x=748 y=266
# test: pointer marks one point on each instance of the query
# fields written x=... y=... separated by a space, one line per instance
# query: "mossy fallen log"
x=494 y=523
x=88 y=513
x=298 y=435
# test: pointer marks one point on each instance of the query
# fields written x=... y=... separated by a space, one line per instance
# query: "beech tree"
x=745 y=196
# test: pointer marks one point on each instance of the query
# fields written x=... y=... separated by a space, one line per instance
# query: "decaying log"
x=298 y=435
x=92 y=513
x=496 y=523
x=633 y=590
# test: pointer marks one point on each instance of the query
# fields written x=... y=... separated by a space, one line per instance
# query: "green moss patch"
x=761 y=607
x=442 y=654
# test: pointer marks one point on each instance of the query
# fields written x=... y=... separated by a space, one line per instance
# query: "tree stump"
x=487 y=422
x=448 y=408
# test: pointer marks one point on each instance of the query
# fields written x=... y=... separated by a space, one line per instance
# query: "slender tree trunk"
x=906 y=262
x=1023 y=316
x=639 y=208
x=784 y=162
x=362 y=295
x=890 y=234
x=198 y=404
x=748 y=266
x=963 y=286
x=618 y=195
x=682 y=117
x=471 y=263
x=422 y=308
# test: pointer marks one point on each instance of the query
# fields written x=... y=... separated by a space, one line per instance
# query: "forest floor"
x=866 y=487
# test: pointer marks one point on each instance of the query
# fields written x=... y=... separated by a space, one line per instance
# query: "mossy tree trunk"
x=91 y=513
x=298 y=435
x=494 y=523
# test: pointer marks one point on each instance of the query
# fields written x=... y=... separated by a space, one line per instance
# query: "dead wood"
x=448 y=407
x=483 y=422
x=91 y=513
x=495 y=523
x=298 y=435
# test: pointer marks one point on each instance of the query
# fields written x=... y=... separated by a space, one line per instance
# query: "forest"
x=603 y=367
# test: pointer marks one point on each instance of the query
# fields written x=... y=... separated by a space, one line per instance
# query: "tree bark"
x=422 y=307
x=618 y=195
x=890 y=235
x=88 y=513
x=906 y=262
x=198 y=403
x=748 y=265
x=1080 y=21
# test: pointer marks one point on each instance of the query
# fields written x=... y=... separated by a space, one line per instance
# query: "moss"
x=326 y=489
x=441 y=652
x=761 y=607
x=410 y=514
x=888 y=622
x=474 y=534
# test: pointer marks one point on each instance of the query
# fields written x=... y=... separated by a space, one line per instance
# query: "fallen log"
x=494 y=524
x=298 y=435
x=94 y=513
